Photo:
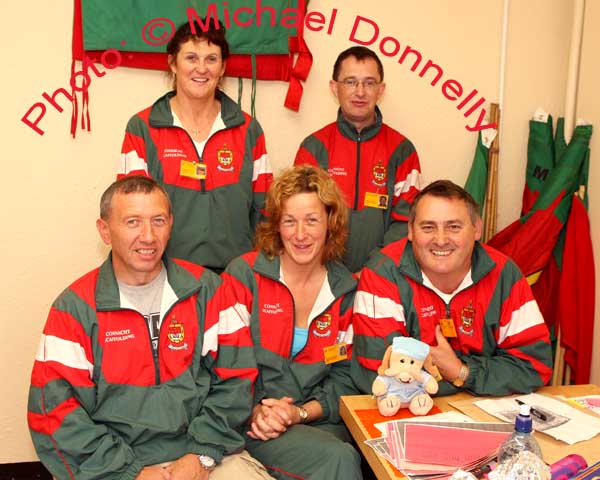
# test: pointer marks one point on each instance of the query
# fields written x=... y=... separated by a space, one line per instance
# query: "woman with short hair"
x=208 y=154
x=297 y=298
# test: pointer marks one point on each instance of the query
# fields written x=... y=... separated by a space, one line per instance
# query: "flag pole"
x=573 y=69
x=491 y=195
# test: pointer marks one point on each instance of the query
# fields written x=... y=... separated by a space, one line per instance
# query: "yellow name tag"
x=447 y=327
x=193 y=170
x=335 y=353
x=376 y=200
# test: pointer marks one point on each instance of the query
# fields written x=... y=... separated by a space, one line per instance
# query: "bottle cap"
x=523 y=422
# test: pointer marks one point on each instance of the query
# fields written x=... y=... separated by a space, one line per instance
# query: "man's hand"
x=444 y=358
x=271 y=417
x=154 y=473
x=187 y=468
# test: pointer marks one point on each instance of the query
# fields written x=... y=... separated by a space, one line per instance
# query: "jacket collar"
x=161 y=115
x=367 y=133
x=481 y=263
x=182 y=283
x=341 y=281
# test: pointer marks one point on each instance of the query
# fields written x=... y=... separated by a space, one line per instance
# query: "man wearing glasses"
x=376 y=166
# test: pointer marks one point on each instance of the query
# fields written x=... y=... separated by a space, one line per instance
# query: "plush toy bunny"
x=401 y=381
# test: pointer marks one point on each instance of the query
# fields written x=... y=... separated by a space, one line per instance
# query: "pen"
x=534 y=412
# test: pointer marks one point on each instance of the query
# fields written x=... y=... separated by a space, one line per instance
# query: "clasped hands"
x=272 y=417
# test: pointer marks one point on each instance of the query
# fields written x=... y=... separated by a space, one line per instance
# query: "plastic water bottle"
x=521 y=440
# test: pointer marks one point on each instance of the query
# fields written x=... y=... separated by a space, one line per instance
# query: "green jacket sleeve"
x=262 y=174
x=62 y=393
x=231 y=369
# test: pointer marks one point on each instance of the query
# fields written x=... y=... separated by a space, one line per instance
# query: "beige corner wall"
x=52 y=183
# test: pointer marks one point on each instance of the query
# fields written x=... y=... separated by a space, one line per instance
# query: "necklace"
x=190 y=124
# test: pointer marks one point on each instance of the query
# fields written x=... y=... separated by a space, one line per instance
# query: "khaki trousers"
x=241 y=466
x=237 y=466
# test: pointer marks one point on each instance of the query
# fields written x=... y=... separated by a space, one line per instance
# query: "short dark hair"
x=127 y=185
x=361 y=54
x=446 y=189
x=211 y=35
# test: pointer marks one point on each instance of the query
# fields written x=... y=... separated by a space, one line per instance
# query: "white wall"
x=52 y=183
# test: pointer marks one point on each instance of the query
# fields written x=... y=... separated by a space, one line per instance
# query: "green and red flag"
x=553 y=237
x=530 y=240
x=477 y=180
x=540 y=158
x=577 y=293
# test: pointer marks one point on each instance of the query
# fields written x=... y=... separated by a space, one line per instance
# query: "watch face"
x=303 y=414
x=207 y=462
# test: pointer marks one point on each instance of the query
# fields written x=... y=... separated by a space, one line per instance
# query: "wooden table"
x=552 y=449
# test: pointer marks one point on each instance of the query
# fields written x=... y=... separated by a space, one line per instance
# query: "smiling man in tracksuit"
x=376 y=167
x=137 y=376
x=465 y=299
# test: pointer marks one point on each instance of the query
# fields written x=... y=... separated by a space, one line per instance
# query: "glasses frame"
x=368 y=84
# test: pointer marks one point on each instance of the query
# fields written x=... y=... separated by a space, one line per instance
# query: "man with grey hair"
x=137 y=376
x=465 y=299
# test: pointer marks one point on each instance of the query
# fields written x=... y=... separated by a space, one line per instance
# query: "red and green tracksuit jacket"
x=501 y=334
x=264 y=301
x=101 y=406
x=377 y=161
x=215 y=217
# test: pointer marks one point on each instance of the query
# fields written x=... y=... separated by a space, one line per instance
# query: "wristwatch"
x=207 y=463
x=462 y=376
x=303 y=414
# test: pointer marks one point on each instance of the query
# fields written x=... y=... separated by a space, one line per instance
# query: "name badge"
x=376 y=200
x=335 y=353
x=193 y=170
x=447 y=327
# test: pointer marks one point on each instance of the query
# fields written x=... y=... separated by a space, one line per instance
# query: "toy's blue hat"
x=411 y=346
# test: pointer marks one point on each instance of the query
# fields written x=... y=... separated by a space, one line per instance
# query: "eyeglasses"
x=352 y=83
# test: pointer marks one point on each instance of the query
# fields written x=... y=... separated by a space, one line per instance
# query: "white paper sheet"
x=580 y=426
x=438 y=417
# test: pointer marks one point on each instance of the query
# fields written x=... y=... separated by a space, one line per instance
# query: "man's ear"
x=103 y=230
x=380 y=90
x=478 y=228
x=333 y=85
x=410 y=231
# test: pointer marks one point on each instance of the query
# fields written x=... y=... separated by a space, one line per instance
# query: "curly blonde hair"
x=304 y=179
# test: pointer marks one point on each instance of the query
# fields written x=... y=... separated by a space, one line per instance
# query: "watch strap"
x=462 y=376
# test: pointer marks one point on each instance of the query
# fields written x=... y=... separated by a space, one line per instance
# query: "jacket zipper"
x=155 y=354
x=203 y=180
x=357 y=176
x=155 y=358
x=294 y=317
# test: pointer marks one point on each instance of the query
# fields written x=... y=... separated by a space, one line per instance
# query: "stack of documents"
x=554 y=418
x=432 y=447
